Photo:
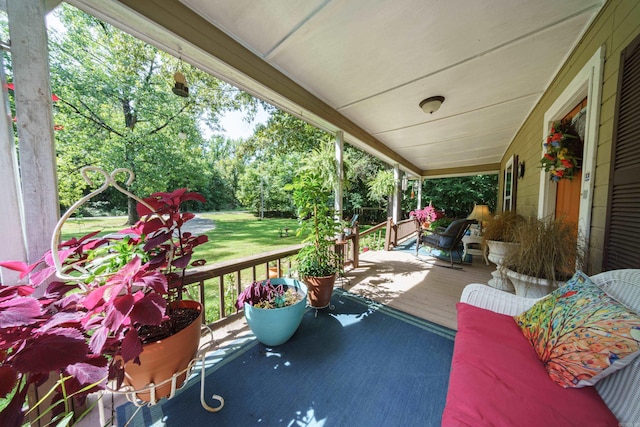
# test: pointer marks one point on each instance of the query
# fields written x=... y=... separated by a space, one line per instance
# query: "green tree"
x=456 y=196
x=117 y=109
x=286 y=140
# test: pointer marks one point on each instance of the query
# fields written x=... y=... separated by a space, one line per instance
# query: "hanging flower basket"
x=563 y=152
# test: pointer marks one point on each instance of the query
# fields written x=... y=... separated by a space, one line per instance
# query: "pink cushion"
x=497 y=380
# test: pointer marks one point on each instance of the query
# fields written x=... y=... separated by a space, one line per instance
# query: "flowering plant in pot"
x=427 y=215
x=112 y=295
x=273 y=309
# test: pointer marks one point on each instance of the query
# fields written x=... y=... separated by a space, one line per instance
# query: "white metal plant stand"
x=131 y=394
x=128 y=391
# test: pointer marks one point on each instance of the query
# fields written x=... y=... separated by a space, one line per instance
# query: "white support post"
x=339 y=144
x=419 y=193
x=14 y=246
x=397 y=194
x=30 y=60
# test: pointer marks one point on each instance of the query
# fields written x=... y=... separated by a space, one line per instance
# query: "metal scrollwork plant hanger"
x=109 y=180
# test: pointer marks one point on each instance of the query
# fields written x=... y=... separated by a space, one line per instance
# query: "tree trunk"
x=132 y=213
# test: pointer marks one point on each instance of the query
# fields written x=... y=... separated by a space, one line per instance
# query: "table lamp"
x=481 y=214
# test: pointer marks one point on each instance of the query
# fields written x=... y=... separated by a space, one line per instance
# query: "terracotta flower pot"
x=319 y=290
x=274 y=273
x=161 y=359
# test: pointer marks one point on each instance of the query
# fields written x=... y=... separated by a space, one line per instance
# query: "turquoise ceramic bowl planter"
x=275 y=326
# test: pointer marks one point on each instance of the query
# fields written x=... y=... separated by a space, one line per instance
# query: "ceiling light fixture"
x=431 y=104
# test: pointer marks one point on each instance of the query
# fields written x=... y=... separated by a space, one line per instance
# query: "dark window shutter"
x=621 y=243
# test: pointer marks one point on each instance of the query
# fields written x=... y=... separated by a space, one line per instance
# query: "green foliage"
x=442 y=222
x=263 y=184
x=311 y=193
x=285 y=133
x=116 y=109
x=456 y=196
x=374 y=242
x=382 y=185
x=317 y=261
x=273 y=154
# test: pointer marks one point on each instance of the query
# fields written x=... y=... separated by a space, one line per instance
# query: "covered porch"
x=419 y=286
x=496 y=131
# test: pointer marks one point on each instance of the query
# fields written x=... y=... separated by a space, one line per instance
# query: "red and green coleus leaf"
x=93 y=370
x=182 y=262
x=162 y=203
x=117 y=313
x=19 y=312
x=19 y=266
x=157 y=240
x=131 y=345
x=62 y=347
x=153 y=280
x=98 y=339
x=9 y=292
x=8 y=380
x=63 y=319
x=149 y=310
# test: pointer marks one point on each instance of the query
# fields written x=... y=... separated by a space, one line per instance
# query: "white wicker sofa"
x=619 y=391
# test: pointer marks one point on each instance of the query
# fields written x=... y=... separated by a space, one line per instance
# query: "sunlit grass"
x=78 y=227
x=241 y=234
x=234 y=235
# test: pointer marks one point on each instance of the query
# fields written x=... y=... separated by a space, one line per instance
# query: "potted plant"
x=426 y=216
x=117 y=294
x=549 y=252
x=273 y=309
x=500 y=238
x=317 y=261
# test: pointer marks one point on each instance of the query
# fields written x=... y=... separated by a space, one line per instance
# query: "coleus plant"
x=85 y=328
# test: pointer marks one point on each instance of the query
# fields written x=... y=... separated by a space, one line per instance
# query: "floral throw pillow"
x=580 y=333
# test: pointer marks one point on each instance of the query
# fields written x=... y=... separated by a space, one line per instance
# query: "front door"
x=569 y=190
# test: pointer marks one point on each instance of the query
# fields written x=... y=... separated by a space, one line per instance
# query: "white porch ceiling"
x=373 y=61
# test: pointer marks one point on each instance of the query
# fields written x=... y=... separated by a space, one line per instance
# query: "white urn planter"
x=497 y=252
x=529 y=286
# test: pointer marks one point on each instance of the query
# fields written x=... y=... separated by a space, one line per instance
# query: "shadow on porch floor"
x=396 y=278
x=415 y=285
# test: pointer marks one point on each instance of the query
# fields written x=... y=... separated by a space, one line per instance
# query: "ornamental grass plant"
x=549 y=249
x=502 y=228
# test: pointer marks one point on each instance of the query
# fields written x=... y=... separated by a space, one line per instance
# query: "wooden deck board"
x=415 y=286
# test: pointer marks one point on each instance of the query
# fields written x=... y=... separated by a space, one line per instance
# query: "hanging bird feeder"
x=180 y=88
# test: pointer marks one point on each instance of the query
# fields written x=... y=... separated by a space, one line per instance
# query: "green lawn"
x=235 y=235
x=240 y=234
